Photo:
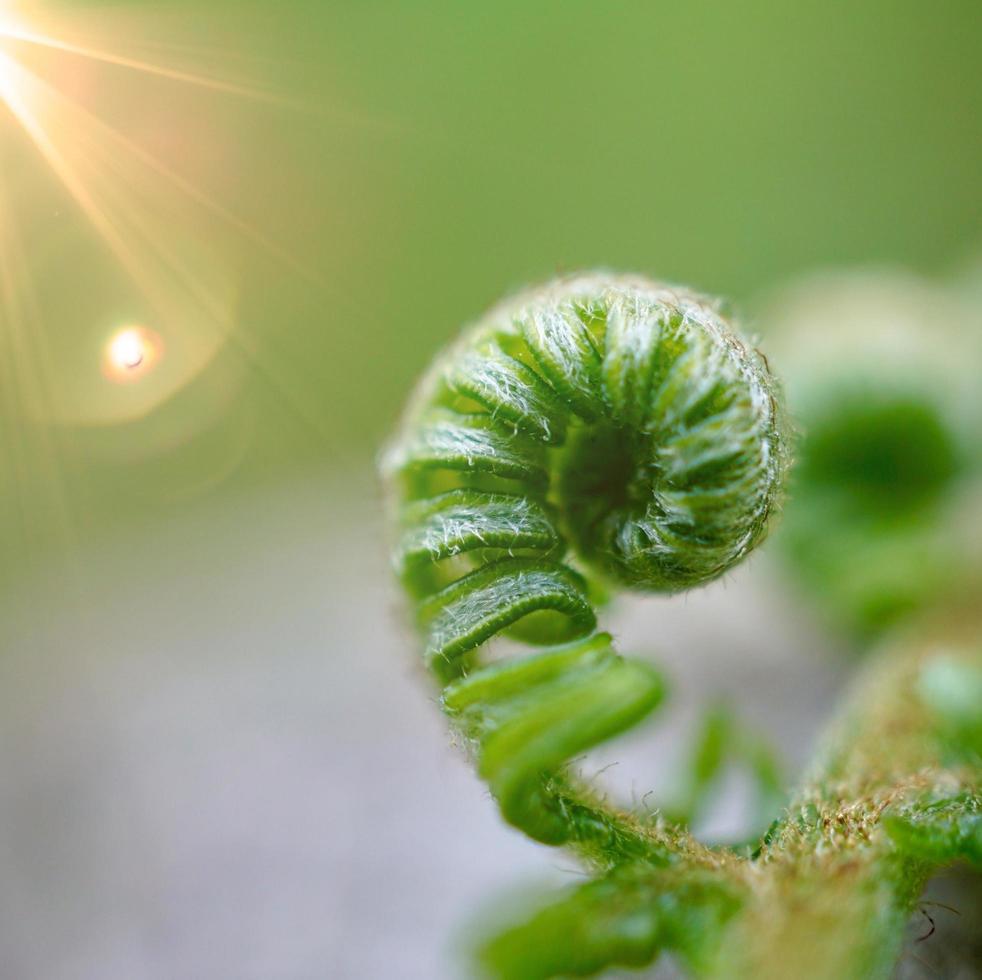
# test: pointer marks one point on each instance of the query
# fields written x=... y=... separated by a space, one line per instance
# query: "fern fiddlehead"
x=628 y=420
x=618 y=415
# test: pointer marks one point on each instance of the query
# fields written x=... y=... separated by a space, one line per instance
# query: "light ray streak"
x=106 y=173
x=193 y=192
x=17 y=87
x=17 y=33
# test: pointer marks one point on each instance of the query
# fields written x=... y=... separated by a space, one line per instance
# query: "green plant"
x=632 y=421
x=883 y=521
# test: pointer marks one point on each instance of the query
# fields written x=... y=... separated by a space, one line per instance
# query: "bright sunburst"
x=146 y=213
x=171 y=238
x=137 y=179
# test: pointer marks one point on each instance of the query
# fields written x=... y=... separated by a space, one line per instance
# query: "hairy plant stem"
x=831 y=889
x=830 y=893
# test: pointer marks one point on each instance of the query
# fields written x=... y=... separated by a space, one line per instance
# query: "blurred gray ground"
x=220 y=760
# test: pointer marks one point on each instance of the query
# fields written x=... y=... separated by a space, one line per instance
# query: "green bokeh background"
x=431 y=156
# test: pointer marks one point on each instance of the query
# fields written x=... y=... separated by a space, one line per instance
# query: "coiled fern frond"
x=622 y=419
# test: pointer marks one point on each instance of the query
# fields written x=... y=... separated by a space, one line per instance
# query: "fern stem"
x=889 y=799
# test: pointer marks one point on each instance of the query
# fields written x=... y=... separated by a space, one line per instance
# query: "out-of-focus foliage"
x=723 y=742
x=952 y=691
x=885 y=511
x=622 y=919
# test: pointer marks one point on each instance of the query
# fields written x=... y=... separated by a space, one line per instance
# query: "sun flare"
x=138 y=180
x=121 y=248
x=131 y=354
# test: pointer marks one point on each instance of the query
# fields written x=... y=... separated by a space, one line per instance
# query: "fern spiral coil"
x=597 y=428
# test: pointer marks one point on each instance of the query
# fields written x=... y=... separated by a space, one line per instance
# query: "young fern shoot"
x=597 y=429
x=619 y=415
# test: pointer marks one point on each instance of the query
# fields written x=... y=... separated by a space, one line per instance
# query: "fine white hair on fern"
x=617 y=415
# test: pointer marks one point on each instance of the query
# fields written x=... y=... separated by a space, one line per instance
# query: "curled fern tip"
x=626 y=419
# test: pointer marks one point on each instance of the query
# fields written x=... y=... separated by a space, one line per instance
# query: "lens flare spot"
x=131 y=354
